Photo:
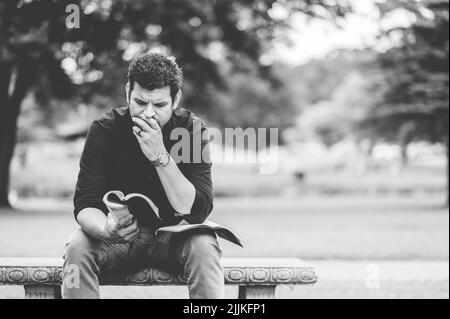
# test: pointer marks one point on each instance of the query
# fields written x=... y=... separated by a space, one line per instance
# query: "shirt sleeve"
x=92 y=177
x=198 y=172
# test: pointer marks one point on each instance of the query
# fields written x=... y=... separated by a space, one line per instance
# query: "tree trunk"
x=448 y=172
x=7 y=143
x=11 y=96
x=404 y=154
x=5 y=77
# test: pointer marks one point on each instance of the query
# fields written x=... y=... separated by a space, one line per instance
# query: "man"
x=128 y=149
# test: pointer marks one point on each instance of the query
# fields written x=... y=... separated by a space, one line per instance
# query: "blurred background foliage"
x=58 y=79
x=214 y=42
x=415 y=103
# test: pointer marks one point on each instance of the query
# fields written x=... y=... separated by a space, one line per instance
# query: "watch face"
x=164 y=159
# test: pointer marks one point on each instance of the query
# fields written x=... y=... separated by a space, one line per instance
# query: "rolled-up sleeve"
x=92 y=177
x=199 y=174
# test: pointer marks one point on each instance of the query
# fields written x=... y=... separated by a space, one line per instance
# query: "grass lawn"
x=402 y=235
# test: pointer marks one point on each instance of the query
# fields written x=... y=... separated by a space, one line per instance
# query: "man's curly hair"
x=155 y=71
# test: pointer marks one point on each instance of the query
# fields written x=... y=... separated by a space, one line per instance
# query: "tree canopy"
x=416 y=101
x=211 y=39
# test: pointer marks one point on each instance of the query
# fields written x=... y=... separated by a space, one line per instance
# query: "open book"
x=116 y=202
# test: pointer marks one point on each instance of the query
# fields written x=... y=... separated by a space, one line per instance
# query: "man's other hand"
x=124 y=232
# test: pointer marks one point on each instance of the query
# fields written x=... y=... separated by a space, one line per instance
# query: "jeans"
x=197 y=254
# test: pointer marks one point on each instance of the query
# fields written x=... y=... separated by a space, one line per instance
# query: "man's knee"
x=80 y=247
x=203 y=246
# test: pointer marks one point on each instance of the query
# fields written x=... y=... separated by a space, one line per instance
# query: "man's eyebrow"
x=157 y=101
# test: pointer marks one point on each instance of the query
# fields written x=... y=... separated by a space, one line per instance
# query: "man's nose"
x=149 y=111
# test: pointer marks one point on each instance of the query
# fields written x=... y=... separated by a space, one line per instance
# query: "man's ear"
x=177 y=100
x=127 y=92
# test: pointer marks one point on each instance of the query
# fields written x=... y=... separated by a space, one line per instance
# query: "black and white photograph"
x=237 y=150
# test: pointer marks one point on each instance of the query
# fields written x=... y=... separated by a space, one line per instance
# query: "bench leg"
x=256 y=292
x=42 y=292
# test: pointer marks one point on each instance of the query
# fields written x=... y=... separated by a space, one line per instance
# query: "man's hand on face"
x=149 y=136
x=124 y=232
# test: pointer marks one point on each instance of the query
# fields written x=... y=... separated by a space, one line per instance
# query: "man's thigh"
x=168 y=251
x=126 y=258
x=162 y=253
x=165 y=251
x=146 y=251
x=109 y=257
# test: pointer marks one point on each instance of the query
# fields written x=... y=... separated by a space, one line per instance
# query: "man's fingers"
x=141 y=123
x=116 y=225
x=153 y=124
x=140 y=137
x=132 y=227
x=126 y=219
x=136 y=129
x=151 y=120
x=132 y=235
x=129 y=229
x=136 y=133
x=127 y=222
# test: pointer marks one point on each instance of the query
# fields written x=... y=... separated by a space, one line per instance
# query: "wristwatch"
x=162 y=160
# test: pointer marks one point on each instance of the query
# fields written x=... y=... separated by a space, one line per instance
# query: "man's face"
x=156 y=103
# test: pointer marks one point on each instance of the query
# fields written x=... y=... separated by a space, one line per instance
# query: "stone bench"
x=256 y=278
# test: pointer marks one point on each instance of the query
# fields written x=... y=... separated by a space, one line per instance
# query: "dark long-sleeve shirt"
x=112 y=160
